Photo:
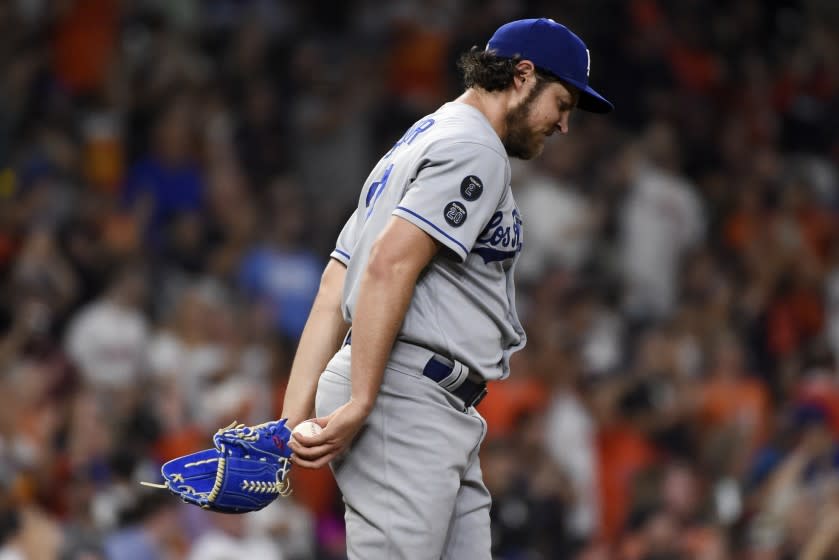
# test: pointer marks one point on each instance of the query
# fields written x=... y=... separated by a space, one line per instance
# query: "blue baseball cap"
x=552 y=47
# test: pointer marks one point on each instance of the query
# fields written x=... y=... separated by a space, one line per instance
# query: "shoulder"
x=460 y=123
x=478 y=158
x=460 y=145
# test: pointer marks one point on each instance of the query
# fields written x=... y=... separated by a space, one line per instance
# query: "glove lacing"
x=236 y=430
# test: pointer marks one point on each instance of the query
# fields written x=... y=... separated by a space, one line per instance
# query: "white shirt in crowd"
x=11 y=552
x=216 y=545
x=570 y=426
x=192 y=369
x=558 y=230
x=107 y=342
x=661 y=219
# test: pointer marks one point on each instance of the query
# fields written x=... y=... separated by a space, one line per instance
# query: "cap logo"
x=588 y=63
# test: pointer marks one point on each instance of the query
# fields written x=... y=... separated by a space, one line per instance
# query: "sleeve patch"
x=471 y=187
x=455 y=214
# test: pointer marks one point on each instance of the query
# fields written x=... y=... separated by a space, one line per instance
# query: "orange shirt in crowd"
x=743 y=229
x=187 y=440
x=818 y=229
x=622 y=453
x=84 y=44
x=314 y=489
x=507 y=400
x=416 y=69
x=793 y=319
x=736 y=401
x=695 y=69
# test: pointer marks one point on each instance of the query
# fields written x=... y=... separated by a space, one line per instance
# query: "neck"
x=492 y=104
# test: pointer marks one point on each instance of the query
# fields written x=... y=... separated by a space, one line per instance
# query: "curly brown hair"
x=488 y=71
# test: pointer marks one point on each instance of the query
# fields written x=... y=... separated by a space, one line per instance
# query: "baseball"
x=308 y=428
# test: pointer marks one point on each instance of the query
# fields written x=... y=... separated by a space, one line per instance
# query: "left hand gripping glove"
x=245 y=471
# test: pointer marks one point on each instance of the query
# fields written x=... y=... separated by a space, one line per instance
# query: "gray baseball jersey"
x=449 y=175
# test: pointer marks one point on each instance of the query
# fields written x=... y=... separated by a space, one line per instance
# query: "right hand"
x=339 y=430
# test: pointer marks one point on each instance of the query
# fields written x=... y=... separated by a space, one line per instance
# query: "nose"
x=562 y=123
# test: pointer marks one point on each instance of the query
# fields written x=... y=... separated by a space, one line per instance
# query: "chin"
x=525 y=151
x=524 y=156
x=532 y=152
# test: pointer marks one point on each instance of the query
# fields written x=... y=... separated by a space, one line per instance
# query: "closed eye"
x=564 y=104
x=566 y=101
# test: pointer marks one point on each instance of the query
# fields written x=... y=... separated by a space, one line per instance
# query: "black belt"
x=470 y=391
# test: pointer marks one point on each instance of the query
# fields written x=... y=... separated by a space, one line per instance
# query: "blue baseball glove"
x=245 y=471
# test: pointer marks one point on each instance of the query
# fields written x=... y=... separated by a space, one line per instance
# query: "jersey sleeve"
x=347 y=240
x=456 y=191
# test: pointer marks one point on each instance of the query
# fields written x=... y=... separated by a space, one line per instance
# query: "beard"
x=521 y=141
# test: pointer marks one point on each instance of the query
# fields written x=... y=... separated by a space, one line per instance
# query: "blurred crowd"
x=173 y=176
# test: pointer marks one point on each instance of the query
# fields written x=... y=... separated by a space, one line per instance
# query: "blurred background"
x=173 y=176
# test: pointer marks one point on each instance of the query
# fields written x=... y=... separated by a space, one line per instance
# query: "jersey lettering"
x=376 y=190
x=411 y=135
x=496 y=237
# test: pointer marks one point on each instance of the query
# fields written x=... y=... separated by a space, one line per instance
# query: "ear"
x=525 y=71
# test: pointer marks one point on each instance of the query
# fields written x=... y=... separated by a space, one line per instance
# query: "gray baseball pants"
x=411 y=481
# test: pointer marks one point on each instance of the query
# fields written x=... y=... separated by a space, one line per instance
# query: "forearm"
x=383 y=299
x=387 y=286
x=321 y=338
